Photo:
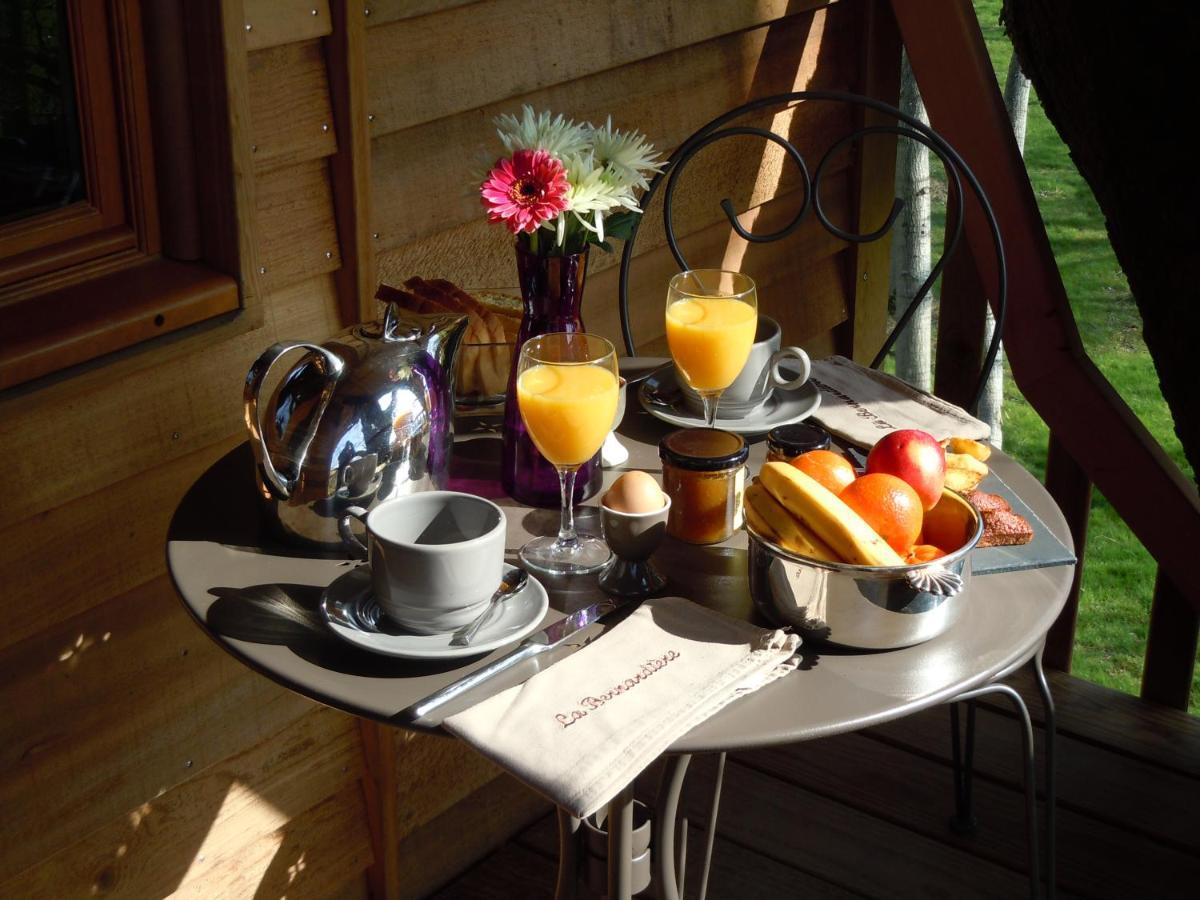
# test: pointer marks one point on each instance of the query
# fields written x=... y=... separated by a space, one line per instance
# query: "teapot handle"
x=254 y=380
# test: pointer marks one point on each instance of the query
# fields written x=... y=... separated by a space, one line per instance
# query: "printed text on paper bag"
x=595 y=701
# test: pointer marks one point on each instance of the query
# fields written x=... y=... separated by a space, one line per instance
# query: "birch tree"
x=991 y=404
x=910 y=243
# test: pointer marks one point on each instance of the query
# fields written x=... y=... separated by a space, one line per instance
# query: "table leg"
x=963 y=755
x=710 y=836
x=620 y=845
x=568 y=856
x=1048 y=714
x=665 y=817
x=1030 y=777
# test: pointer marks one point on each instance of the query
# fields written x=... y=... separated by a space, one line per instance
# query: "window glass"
x=40 y=151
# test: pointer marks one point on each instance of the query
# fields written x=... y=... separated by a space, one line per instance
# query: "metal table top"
x=260 y=601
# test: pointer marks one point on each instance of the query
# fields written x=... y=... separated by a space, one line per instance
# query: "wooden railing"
x=1095 y=437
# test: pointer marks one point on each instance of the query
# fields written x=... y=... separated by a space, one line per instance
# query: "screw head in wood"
x=329 y=254
x=324 y=127
x=249 y=27
x=262 y=270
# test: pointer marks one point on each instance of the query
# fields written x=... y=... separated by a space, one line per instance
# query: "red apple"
x=915 y=457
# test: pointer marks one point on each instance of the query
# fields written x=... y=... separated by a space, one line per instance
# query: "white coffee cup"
x=436 y=557
x=760 y=376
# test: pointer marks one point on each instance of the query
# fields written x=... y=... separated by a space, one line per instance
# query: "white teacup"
x=760 y=376
x=436 y=557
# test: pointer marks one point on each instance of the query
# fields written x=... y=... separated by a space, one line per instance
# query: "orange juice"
x=568 y=409
x=710 y=339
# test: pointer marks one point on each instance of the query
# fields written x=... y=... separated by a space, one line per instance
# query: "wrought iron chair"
x=958 y=175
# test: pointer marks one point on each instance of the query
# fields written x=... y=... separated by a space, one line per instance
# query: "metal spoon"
x=513 y=581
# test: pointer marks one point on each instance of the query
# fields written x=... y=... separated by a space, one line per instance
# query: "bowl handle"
x=935 y=580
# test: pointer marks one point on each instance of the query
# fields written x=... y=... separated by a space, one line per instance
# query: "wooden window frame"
x=83 y=283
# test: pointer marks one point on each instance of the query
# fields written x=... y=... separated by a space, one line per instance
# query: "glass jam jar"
x=786 y=442
x=704 y=474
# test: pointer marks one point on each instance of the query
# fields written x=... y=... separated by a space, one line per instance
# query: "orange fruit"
x=948 y=524
x=922 y=553
x=889 y=505
x=829 y=469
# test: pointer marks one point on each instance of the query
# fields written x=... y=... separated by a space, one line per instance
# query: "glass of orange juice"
x=567 y=394
x=712 y=315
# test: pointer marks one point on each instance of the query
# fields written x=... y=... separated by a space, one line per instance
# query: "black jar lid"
x=703 y=449
x=792 y=440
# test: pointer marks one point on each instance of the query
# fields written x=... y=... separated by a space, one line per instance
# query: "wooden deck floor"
x=865 y=815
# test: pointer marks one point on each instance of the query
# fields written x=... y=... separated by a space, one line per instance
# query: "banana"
x=964 y=471
x=832 y=521
x=962 y=480
x=782 y=526
x=753 y=518
x=966 y=461
x=965 y=445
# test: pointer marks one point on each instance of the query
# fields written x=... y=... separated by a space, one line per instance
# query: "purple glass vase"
x=552 y=288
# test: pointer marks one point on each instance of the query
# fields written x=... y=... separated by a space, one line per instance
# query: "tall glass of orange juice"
x=567 y=394
x=712 y=315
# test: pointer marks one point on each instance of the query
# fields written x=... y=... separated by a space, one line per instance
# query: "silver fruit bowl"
x=865 y=607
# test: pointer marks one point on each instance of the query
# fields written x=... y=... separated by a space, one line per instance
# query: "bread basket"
x=864 y=607
x=483 y=367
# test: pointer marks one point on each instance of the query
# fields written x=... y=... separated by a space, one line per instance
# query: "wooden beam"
x=1068 y=484
x=875 y=186
x=1170 y=647
x=1040 y=337
x=351 y=165
x=380 y=793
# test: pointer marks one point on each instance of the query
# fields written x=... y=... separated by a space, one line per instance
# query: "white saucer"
x=661 y=397
x=353 y=614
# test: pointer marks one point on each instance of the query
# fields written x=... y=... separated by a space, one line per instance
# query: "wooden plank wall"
x=136 y=759
x=664 y=68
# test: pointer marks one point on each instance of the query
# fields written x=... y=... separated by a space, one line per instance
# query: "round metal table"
x=260 y=600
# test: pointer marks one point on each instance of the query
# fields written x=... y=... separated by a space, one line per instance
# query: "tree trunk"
x=991 y=404
x=1016 y=99
x=1115 y=87
x=910 y=248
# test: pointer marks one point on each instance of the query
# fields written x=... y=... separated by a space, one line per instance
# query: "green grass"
x=1118 y=577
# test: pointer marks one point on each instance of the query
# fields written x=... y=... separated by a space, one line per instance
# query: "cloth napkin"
x=583 y=729
x=861 y=405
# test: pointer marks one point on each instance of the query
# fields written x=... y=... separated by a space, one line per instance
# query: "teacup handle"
x=352 y=541
x=794 y=354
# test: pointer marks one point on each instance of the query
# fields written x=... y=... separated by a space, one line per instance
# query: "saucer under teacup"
x=661 y=396
x=354 y=615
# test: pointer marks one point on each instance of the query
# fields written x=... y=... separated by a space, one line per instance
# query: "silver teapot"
x=365 y=417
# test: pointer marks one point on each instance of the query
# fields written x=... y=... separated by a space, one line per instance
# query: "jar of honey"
x=786 y=442
x=704 y=474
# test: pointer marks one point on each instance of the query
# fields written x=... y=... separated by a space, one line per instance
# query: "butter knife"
x=552 y=636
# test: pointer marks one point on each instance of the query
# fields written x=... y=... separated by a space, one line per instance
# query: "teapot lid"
x=405 y=325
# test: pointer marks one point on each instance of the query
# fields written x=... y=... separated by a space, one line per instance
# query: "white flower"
x=627 y=154
x=558 y=136
x=594 y=190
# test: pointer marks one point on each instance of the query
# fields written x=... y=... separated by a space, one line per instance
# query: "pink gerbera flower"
x=525 y=191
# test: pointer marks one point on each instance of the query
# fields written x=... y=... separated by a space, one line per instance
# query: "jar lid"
x=703 y=449
x=792 y=440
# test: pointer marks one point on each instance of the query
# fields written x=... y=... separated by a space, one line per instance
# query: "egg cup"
x=633 y=537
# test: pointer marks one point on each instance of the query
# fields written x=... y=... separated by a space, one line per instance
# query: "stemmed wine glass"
x=567 y=395
x=712 y=315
